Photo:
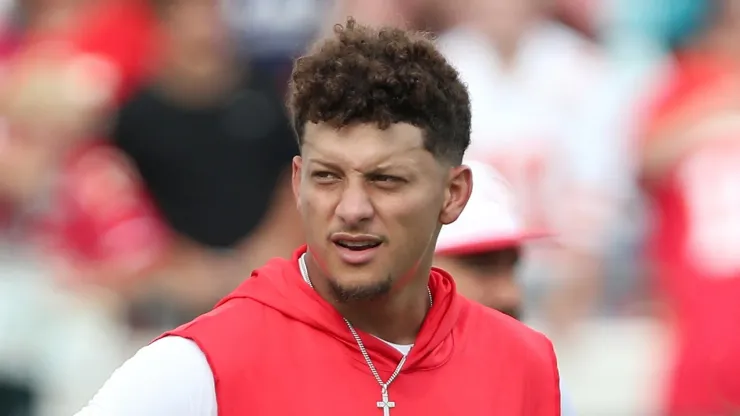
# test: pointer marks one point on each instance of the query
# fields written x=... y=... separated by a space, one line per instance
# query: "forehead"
x=364 y=144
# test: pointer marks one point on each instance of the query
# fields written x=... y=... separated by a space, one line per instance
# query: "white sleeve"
x=171 y=376
x=566 y=407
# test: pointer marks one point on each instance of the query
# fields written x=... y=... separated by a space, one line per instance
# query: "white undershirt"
x=403 y=349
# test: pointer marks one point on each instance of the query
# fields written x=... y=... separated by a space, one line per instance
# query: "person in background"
x=534 y=130
x=689 y=158
x=70 y=69
x=65 y=63
x=483 y=247
x=213 y=145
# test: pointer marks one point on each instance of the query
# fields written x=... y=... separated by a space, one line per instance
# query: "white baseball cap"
x=490 y=221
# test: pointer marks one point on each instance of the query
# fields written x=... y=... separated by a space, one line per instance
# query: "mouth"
x=357 y=245
x=356 y=249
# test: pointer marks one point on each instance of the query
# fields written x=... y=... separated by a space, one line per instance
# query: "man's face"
x=487 y=278
x=196 y=35
x=372 y=203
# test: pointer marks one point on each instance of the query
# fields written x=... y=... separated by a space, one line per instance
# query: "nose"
x=354 y=206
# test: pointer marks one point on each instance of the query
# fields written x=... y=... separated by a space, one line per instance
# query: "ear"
x=296 y=180
x=457 y=194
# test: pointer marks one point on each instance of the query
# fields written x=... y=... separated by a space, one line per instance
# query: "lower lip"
x=356 y=257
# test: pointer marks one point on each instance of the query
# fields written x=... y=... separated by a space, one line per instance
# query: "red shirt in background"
x=695 y=241
x=103 y=222
x=108 y=216
x=124 y=32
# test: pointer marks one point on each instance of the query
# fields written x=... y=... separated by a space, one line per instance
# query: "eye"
x=387 y=179
x=324 y=176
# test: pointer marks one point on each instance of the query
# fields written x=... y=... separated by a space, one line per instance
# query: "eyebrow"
x=330 y=165
x=381 y=168
x=400 y=169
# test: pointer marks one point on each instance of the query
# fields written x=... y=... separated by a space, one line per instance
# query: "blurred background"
x=145 y=152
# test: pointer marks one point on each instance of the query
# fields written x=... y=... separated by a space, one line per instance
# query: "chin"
x=348 y=290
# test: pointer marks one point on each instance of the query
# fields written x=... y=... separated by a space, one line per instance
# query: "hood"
x=280 y=286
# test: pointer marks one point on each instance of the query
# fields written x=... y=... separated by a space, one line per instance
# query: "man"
x=481 y=249
x=690 y=171
x=357 y=322
x=212 y=142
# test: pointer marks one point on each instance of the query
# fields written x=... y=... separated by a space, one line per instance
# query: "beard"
x=365 y=292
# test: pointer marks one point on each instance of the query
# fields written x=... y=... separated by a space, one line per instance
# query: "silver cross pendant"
x=385 y=404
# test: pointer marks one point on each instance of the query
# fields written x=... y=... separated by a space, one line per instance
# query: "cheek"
x=313 y=205
x=418 y=214
x=411 y=231
x=317 y=209
x=311 y=212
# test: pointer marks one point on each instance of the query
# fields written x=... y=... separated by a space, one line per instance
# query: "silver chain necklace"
x=385 y=402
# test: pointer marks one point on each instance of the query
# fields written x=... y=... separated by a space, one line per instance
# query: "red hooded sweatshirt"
x=276 y=348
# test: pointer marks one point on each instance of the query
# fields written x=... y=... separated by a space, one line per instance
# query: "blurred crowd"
x=145 y=161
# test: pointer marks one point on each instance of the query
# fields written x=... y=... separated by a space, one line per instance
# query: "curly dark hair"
x=383 y=76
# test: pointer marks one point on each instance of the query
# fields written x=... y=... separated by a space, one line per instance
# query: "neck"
x=395 y=317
